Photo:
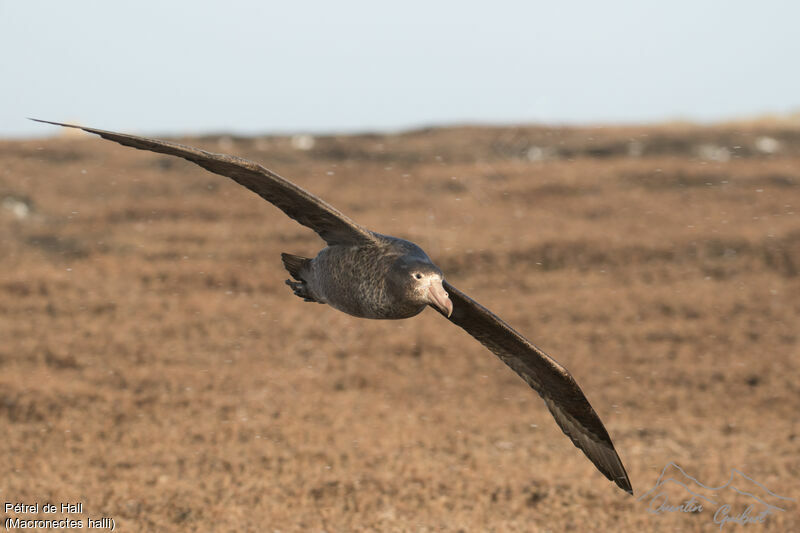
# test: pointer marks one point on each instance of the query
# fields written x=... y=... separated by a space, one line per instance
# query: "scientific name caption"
x=18 y=517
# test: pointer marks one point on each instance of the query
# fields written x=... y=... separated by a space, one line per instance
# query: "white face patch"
x=425 y=280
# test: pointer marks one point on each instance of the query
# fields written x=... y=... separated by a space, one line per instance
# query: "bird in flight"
x=369 y=275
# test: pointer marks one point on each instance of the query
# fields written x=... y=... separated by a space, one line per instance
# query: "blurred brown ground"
x=155 y=367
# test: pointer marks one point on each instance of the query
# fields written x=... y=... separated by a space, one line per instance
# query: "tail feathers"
x=294 y=264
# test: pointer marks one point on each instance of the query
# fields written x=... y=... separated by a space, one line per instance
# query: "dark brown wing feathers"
x=302 y=206
x=555 y=385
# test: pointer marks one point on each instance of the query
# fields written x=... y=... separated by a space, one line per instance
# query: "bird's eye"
x=418 y=275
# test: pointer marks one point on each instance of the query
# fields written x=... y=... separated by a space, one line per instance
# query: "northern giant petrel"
x=369 y=275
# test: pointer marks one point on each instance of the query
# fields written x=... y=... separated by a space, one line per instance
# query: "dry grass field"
x=155 y=368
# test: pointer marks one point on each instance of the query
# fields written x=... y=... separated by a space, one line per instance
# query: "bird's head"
x=420 y=282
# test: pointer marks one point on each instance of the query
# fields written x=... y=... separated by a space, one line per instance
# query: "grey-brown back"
x=355 y=279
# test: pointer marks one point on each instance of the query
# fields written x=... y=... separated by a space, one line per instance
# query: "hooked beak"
x=438 y=298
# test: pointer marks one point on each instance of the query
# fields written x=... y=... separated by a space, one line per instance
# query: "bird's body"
x=369 y=275
x=363 y=280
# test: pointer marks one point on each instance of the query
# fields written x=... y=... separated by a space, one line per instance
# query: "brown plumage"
x=370 y=275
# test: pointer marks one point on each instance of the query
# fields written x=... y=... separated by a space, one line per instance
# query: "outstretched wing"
x=552 y=381
x=304 y=207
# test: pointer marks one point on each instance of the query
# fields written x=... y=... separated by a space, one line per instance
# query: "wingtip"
x=624 y=484
x=55 y=123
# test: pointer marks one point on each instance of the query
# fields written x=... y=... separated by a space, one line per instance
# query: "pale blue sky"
x=247 y=66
